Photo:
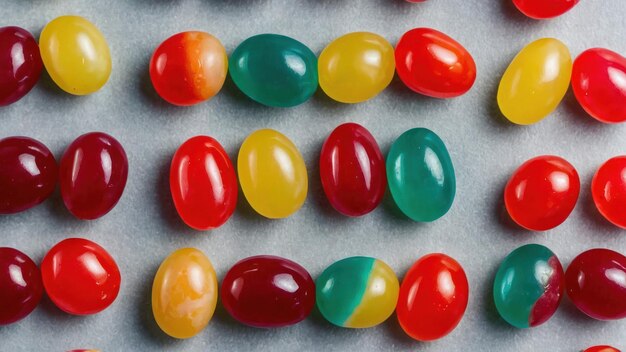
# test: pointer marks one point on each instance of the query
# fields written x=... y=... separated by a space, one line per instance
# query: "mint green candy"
x=274 y=70
x=420 y=175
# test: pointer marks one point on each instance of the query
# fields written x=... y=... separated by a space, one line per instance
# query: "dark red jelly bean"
x=268 y=291
x=93 y=175
x=203 y=183
x=28 y=174
x=20 y=285
x=20 y=64
x=596 y=282
x=352 y=170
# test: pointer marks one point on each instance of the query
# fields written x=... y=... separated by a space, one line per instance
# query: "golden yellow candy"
x=272 y=174
x=535 y=82
x=184 y=293
x=75 y=54
x=356 y=67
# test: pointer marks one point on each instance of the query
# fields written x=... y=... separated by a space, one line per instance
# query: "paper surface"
x=485 y=149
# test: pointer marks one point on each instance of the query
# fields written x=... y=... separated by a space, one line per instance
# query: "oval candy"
x=203 y=183
x=535 y=82
x=94 y=169
x=274 y=70
x=356 y=67
x=352 y=170
x=431 y=63
x=272 y=174
x=184 y=293
x=20 y=64
x=21 y=288
x=544 y=9
x=28 y=174
x=433 y=297
x=608 y=190
x=528 y=286
x=268 y=292
x=420 y=175
x=75 y=54
x=357 y=292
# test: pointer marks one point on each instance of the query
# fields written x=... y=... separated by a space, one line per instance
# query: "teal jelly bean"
x=420 y=175
x=274 y=70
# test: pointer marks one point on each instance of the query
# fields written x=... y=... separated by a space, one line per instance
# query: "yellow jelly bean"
x=356 y=67
x=184 y=293
x=272 y=174
x=75 y=54
x=535 y=82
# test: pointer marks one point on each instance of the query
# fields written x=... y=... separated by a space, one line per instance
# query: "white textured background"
x=144 y=228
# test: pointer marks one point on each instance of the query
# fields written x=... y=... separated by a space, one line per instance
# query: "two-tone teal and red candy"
x=529 y=286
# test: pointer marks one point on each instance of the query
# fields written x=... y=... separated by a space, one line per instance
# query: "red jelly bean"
x=203 y=183
x=28 y=174
x=542 y=192
x=596 y=282
x=431 y=63
x=543 y=9
x=268 y=291
x=608 y=189
x=352 y=170
x=93 y=175
x=20 y=285
x=599 y=84
x=20 y=64
x=433 y=297
x=603 y=348
x=80 y=277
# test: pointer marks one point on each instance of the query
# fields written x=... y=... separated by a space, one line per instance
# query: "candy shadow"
x=169 y=214
x=316 y=193
x=393 y=328
x=491 y=314
x=508 y=9
x=591 y=212
x=504 y=220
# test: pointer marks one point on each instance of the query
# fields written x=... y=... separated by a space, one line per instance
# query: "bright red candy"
x=543 y=9
x=433 y=297
x=93 y=175
x=352 y=170
x=28 y=174
x=595 y=282
x=603 y=348
x=80 y=277
x=20 y=64
x=542 y=192
x=20 y=285
x=608 y=189
x=267 y=291
x=203 y=183
x=431 y=63
x=599 y=84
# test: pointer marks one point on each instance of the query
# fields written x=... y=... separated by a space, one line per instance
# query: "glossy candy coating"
x=274 y=70
x=542 y=192
x=357 y=292
x=20 y=64
x=544 y=9
x=272 y=174
x=28 y=174
x=203 y=183
x=608 y=189
x=94 y=169
x=528 y=286
x=184 y=293
x=433 y=297
x=603 y=348
x=356 y=67
x=352 y=170
x=189 y=68
x=595 y=283
x=75 y=54
x=535 y=82
x=599 y=84
x=431 y=63
x=268 y=292
x=80 y=277
x=20 y=285
x=420 y=174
